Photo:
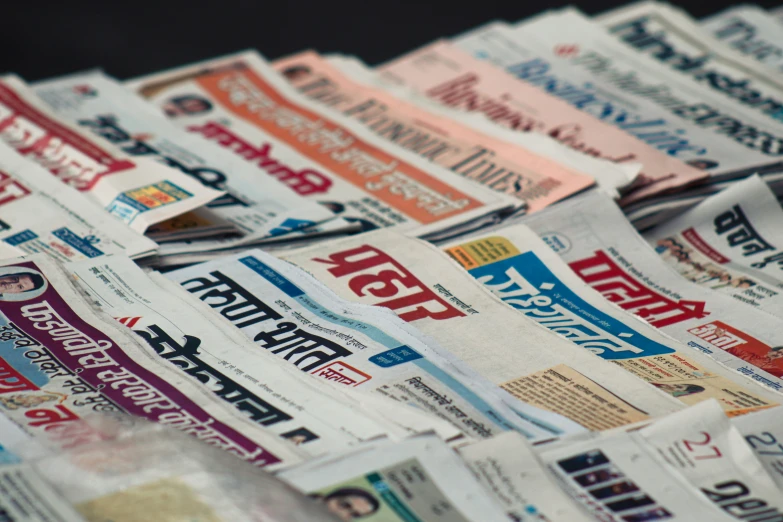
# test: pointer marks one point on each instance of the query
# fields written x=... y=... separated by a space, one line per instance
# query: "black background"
x=127 y=38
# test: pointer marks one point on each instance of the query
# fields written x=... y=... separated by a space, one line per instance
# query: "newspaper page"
x=256 y=203
x=367 y=179
x=26 y=497
x=749 y=30
x=701 y=444
x=592 y=236
x=728 y=243
x=499 y=165
x=525 y=273
x=40 y=214
x=617 y=478
x=454 y=78
x=261 y=387
x=139 y=192
x=426 y=288
x=603 y=77
x=507 y=466
x=608 y=175
x=417 y=480
x=764 y=433
x=285 y=311
x=671 y=37
x=61 y=361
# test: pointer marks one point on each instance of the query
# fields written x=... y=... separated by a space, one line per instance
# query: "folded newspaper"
x=38 y=214
x=257 y=204
x=525 y=273
x=284 y=310
x=239 y=101
x=137 y=191
x=420 y=479
x=590 y=233
x=454 y=78
x=423 y=286
x=764 y=434
x=61 y=361
x=499 y=165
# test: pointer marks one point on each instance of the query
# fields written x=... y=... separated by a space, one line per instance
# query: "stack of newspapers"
x=533 y=272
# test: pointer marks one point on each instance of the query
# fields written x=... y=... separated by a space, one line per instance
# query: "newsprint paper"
x=419 y=479
x=728 y=243
x=137 y=191
x=429 y=290
x=590 y=233
x=256 y=204
x=519 y=268
x=499 y=165
x=452 y=77
x=38 y=214
x=361 y=177
x=764 y=434
x=63 y=361
x=289 y=314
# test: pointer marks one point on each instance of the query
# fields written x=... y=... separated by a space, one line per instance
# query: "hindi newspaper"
x=592 y=236
x=363 y=178
x=671 y=37
x=603 y=77
x=728 y=243
x=499 y=165
x=617 y=477
x=417 y=480
x=287 y=312
x=609 y=176
x=40 y=214
x=137 y=191
x=454 y=78
x=519 y=268
x=256 y=203
x=764 y=433
x=701 y=444
x=429 y=290
x=508 y=468
x=26 y=496
x=61 y=361
x=190 y=336
x=750 y=30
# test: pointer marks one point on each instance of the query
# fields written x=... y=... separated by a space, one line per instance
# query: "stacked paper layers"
x=533 y=272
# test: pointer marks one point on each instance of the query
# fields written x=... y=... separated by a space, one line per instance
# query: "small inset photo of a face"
x=299 y=436
x=350 y=503
x=296 y=72
x=614 y=490
x=21 y=284
x=584 y=461
x=598 y=476
x=186 y=105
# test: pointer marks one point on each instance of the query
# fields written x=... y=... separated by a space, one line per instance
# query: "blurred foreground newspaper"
x=764 y=433
x=454 y=78
x=603 y=77
x=519 y=268
x=62 y=361
x=195 y=339
x=138 y=191
x=728 y=243
x=130 y=470
x=749 y=30
x=499 y=165
x=590 y=233
x=286 y=311
x=416 y=480
x=256 y=203
x=508 y=467
x=40 y=214
x=361 y=177
x=423 y=286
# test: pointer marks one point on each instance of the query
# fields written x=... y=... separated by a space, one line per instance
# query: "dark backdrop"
x=43 y=38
